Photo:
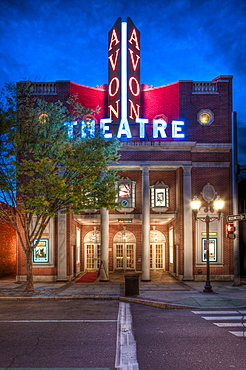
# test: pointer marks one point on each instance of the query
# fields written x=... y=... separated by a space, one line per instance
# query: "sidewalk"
x=162 y=291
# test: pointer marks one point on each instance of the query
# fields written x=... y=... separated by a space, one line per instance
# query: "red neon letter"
x=114 y=111
x=134 y=39
x=134 y=109
x=117 y=86
x=137 y=87
x=114 y=39
x=134 y=62
x=114 y=62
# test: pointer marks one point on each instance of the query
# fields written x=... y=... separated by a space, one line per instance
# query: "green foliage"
x=42 y=171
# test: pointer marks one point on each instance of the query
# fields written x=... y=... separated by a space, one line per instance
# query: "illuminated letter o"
x=137 y=87
x=117 y=86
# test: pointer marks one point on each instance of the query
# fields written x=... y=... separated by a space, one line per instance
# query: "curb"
x=136 y=300
x=157 y=304
x=129 y=299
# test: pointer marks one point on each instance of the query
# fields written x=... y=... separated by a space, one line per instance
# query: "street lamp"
x=218 y=206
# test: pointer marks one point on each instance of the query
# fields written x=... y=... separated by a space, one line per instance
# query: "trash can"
x=131 y=284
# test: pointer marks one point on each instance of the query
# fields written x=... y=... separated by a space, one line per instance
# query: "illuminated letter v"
x=134 y=62
x=114 y=62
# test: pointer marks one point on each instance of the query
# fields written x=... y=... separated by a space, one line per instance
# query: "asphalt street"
x=111 y=334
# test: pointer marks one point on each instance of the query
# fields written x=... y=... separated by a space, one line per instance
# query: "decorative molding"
x=44 y=88
x=204 y=87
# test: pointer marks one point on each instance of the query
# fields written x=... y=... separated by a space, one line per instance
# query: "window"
x=205 y=117
x=171 y=245
x=159 y=197
x=126 y=195
x=43 y=118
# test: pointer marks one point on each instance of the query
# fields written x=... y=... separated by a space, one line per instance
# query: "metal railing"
x=203 y=87
x=44 y=88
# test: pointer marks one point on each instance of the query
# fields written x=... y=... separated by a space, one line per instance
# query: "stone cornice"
x=191 y=146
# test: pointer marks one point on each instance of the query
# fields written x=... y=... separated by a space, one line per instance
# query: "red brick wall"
x=7 y=250
x=91 y=98
x=220 y=104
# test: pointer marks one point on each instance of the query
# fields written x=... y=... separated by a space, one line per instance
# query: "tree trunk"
x=29 y=274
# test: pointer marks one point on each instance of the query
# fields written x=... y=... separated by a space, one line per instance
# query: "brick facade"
x=7 y=250
x=169 y=157
x=206 y=150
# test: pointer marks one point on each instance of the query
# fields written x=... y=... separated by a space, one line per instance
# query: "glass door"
x=125 y=256
x=93 y=253
x=156 y=256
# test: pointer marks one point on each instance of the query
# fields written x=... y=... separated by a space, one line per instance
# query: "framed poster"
x=212 y=249
x=160 y=197
x=41 y=251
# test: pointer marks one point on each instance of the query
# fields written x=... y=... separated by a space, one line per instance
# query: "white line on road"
x=126 y=353
x=238 y=333
x=226 y=318
x=216 y=312
x=229 y=324
x=49 y=321
x=223 y=317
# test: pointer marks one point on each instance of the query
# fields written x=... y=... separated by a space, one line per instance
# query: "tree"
x=43 y=171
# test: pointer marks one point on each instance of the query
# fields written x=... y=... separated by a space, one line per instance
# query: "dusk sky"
x=196 y=40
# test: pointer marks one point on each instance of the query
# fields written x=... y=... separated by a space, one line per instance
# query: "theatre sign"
x=124 y=92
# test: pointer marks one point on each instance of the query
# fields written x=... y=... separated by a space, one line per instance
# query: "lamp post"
x=218 y=205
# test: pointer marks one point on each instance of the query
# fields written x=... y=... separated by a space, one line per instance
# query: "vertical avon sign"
x=124 y=77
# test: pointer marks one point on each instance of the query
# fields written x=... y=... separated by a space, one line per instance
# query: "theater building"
x=176 y=144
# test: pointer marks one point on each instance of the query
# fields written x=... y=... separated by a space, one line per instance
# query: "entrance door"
x=92 y=250
x=124 y=250
x=156 y=256
x=125 y=256
x=92 y=256
x=157 y=249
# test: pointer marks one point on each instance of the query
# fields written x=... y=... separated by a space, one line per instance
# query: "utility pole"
x=236 y=254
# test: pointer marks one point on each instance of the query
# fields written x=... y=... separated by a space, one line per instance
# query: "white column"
x=145 y=225
x=104 y=276
x=62 y=248
x=188 y=252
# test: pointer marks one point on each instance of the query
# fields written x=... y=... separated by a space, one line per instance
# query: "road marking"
x=229 y=324
x=226 y=318
x=55 y=321
x=216 y=312
x=126 y=349
x=223 y=317
x=238 y=333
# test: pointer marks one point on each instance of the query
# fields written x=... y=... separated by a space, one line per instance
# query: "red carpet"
x=89 y=277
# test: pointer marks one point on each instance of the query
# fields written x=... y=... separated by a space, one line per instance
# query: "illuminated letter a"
x=114 y=39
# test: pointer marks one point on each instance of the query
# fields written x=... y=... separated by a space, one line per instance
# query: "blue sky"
x=196 y=40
